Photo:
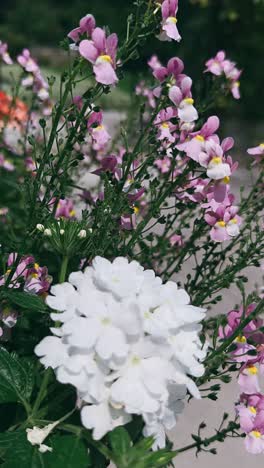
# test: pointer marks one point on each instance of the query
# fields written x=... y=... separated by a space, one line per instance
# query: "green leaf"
x=120 y=441
x=16 y=378
x=17 y=452
x=67 y=452
x=25 y=300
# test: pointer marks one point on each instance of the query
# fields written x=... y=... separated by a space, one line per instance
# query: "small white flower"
x=36 y=436
x=47 y=232
x=62 y=231
x=82 y=234
x=40 y=227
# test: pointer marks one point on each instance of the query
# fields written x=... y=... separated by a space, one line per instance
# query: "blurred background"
x=206 y=26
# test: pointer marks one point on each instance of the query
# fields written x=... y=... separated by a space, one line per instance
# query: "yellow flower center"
x=106 y=58
x=199 y=138
x=189 y=101
x=105 y=321
x=34 y=275
x=72 y=213
x=172 y=19
x=237 y=84
x=253 y=370
x=261 y=145
x=36 y=266
x=252 y=409
x=226 y=180
x=99 y=127
x=216 y=160
x=135 y=360
x=241 y=339
x=256 y=434
x=221 y=223
x=233 y=221
x=8 y=271
x=136 y=209
x=165 y=125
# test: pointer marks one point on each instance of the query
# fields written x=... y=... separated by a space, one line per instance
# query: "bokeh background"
x=237 y=26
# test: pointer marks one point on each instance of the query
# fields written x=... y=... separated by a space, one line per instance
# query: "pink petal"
x=105 y=73
x=88 y=50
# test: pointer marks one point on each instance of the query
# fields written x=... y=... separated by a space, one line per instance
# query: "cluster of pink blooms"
x=35 y=80
x=34 y=279
x=98 y=48
x=249 y=353
x=221 y=66
x=176 y=130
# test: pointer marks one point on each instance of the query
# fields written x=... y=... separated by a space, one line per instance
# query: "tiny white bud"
x=90 y=230
x=62 y=231
x=40 y=227
x=47 y=232
x=82 y=234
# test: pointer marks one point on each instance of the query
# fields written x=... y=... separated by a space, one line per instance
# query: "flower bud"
x=47 y=232
x=82 y=234
x=40 y=227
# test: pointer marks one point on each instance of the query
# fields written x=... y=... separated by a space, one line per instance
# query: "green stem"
x=48 y=372
x=218 y=437
x=63 y=270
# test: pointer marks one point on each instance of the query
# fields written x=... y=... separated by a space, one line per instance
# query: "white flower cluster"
x=127 y=342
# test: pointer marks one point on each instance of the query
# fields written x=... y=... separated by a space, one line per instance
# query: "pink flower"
x=163 y=164
x=86 y=26
x=97 y=130
x=27 y=62
x=64 y=209
x=6 y=164
x=4 y=53
x=182 y=98
x=257 y=152
x=165 y=127
x=224 y=220
x=212 y=158
x=194 y=146
x=176 y=239
x=174 y=69
x=251 y=412
x=219 y=65
x=248 y=379
x=108 y=164
x=216 y=65
x=169 y=29
x=101 y=52
x=254 y=442
x=234 y=319
x=35 y=278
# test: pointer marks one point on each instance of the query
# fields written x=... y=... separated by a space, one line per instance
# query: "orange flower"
x=13 y=112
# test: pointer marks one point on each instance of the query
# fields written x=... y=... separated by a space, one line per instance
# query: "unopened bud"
x=47 y=232
x=40 y=227
x=82 y=234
